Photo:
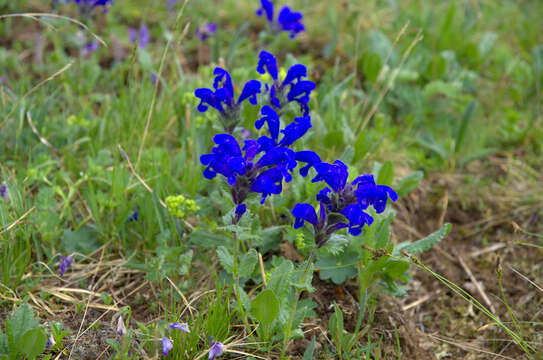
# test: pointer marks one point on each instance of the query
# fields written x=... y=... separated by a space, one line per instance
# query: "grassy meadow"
x=110 y=233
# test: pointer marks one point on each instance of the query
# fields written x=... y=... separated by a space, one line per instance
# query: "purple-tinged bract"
x=217 y=349
x=166 y=345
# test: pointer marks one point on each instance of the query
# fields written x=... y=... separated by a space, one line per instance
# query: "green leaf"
x=308 y=354
x=425 y=244
x=408 y=183
x=336 y=244
x=371 y=66
x=247 y=263
x=396 y=269
x=21 y=321
x=386 y=174
x=4 y=348
x=32 y=343
x=265 y=307
x=208 y=240
x=84 y=240
x=337 y=268
x=226 y=259
x=466 y=117
x=336 y=324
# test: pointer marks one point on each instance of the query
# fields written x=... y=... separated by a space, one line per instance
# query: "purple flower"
x=50 y=342
x=3 y=80
x=287 y=20
x=134 y=216
x=217 y=349
x=205 y=32
x=166 y=345
x=170 y=4
x=64 y=263
x=4 y=191
x=180 y=326
x=141 y=36
x=89 y=47
x=240 y=210
x=154 y=78
x=121 y=329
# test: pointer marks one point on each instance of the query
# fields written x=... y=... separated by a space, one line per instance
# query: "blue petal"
x=267 y=183
x=251 y=148
x=271 y=117
x=296 y=72
x=290 y=21
x=335 y=175
x=357 y=219
x=251 y=88
x=304 y=212
x=323 y=197
x=309 y=157
x=267 y=62
x=223 y=77
x=295 y=130
x=267 y=6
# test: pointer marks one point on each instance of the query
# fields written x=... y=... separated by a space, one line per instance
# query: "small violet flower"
x=292 y=88
x=134 y=216
x=141 y=36
x=4 y=191
x=89 y=48
x=166 y=345
x=64 y=263
x=50 y=342
x=222 y=99
x=121 y=329
x=170 y=4
x=217 y=349
x=180 y=326
x=205 y=32
x=287 y=20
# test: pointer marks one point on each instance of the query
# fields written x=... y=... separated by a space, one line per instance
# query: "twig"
x=476 y=283
x=155 y=91
x=182 y=296
x=488 y=249
x=445 y=205
x=18 y=221
x=525 y=278
x=420 y=301
x=42 y=139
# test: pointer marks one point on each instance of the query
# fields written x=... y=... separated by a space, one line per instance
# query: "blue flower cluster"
x=342 y=204
x=287 y=20
x=260 y=165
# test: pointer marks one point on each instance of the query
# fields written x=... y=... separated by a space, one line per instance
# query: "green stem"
x=236 y=277
x=288 y=327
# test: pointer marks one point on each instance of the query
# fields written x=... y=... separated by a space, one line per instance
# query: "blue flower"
x=180 y=326
x=87 y=5
x=121 y=328
x=291 y=21
x=309 y=157
x=304 y=212
x=271 y=117
x=240 y=210
x=267 y=183
x=206 y=31
x=287 y=20
x=369 y=193
x=335 y=175
x=293 y=88
x=267 y=7
x=295 y=130
x=64 y=263
x=166 y=345
x=222 y=99
x=226 y=159
x=357 y=219
x=217 y=349
x=134 y=216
